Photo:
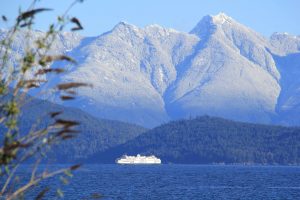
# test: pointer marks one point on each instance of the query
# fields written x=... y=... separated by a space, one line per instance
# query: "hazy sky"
x=98 y=16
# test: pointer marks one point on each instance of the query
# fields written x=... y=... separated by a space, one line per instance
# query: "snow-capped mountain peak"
x=221 y=18
x=153 y=74
x=125 y=27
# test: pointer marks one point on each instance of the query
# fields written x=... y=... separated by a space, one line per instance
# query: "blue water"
x=182 y=182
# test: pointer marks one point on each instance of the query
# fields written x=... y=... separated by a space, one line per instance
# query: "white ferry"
x=138 y=160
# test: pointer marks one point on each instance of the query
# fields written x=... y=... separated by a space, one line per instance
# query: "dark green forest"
x=94 y=135
x=205 y=140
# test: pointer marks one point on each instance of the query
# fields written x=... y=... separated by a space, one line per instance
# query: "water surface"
x=182 y=182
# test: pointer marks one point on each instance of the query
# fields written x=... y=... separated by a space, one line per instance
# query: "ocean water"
x=179 y=182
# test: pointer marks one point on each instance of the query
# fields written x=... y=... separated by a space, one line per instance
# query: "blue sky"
x=98 y=16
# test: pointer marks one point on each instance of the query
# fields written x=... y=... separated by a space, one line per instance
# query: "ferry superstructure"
x=138 y=159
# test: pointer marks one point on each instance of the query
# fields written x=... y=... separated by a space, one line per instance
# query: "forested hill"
x=213 y=140
x=96 y=135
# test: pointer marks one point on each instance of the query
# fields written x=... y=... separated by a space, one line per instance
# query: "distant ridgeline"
x=213 y=140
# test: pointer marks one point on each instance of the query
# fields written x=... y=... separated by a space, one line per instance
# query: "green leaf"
x=7 y=171
x=12 y=108
x=60 y=193
x=11 y=124
x=68 y=173
x=64 y=180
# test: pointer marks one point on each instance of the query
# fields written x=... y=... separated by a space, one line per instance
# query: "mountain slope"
x=287 y=60
x=207 y=140
x=130 y=69
x=231 y=75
